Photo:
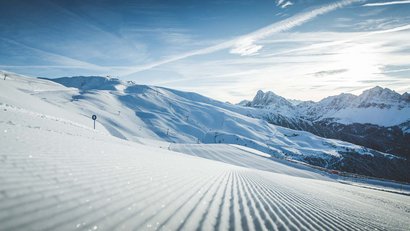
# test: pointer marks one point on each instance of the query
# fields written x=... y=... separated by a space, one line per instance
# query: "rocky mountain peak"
x=269 y=99
x=379 y=97
x=89 y=82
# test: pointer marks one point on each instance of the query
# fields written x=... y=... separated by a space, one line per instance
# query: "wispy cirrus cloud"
x=246 y=44
x=60 y=60
x=340 y=42
x=329 y=72
x=387 y=3
x=283 y=3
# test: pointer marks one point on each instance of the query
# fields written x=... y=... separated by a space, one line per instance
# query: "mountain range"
x=378 y=118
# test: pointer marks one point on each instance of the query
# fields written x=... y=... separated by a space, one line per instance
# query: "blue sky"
x=227 y=49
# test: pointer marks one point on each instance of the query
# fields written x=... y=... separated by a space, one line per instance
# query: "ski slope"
x=246 y=157
x=58 y=173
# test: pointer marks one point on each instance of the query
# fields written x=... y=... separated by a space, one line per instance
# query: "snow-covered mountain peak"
x=244 y=103
x=269 y=99
x=380 y=97
x=406 y=97
x=337 y=102
x=85 y=83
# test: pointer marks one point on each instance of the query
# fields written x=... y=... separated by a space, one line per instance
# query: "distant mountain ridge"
x=378 y=118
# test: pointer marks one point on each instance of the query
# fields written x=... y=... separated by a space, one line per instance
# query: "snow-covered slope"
x=132 y=112
x=188 y=117
x=57 y=173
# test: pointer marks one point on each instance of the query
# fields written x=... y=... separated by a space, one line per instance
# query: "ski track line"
x=291 y=220
x=254 y=216
x=229 y=213
x=34 y=190
x=48 y=208
x=216 y=208
x=222 y=206
x=113 y=207
x=124 y=215
x=274 y=197
x=186 y=215
x=243 y=209
x=271 y=214
x=259 y=206
x=209 y=203
x=312 y=222
x=235 y=209
x=191 y=214
x=333 y=217
x=181 y=191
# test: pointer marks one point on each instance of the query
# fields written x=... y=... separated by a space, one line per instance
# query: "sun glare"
x=360 y=61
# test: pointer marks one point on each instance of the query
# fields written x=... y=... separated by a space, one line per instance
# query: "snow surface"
x=246 y=157
x=382 y=117
x=164 y=114
x=57 y=173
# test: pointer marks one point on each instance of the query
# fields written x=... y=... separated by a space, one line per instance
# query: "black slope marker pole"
x=94 y=117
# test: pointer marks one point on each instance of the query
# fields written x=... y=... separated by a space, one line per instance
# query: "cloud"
x=283 y=4
x=387 y=3
x=395 y=69
x=329 y=72
x=245 y=45
x=60 y=60
x=340 y=42
x=288 y=3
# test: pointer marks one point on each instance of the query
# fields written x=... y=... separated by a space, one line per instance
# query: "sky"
x=224 y=49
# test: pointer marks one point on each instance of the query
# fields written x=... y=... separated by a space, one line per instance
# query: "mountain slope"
x=130 y=111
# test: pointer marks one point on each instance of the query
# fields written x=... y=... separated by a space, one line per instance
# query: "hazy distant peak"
x=379 y=91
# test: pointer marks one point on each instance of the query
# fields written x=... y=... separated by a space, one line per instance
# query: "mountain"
x=270 y=100
x=135 y=112
x=132 y=173
x=59 y=173
x=131 y=111
x=378 y=106
x=379 y=118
